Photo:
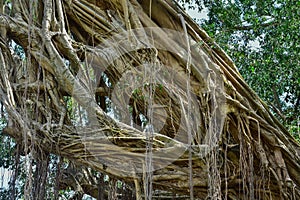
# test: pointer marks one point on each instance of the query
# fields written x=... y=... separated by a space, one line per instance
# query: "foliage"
x=7 y=148
x=262 y=38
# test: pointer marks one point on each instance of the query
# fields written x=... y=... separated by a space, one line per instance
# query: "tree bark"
x=201 y=132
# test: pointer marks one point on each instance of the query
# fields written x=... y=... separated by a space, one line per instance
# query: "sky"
x=196 y=14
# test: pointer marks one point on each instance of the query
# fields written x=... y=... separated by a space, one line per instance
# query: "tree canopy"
x=262 y=38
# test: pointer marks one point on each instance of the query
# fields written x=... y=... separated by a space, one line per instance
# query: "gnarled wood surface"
x=216 y=139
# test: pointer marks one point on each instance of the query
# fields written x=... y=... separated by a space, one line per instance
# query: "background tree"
x=131 y=99
x=262 y=38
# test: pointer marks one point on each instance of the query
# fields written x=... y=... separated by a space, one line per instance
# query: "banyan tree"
x=137 y=102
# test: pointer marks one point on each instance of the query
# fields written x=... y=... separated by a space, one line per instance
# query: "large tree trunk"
x=185 y=122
